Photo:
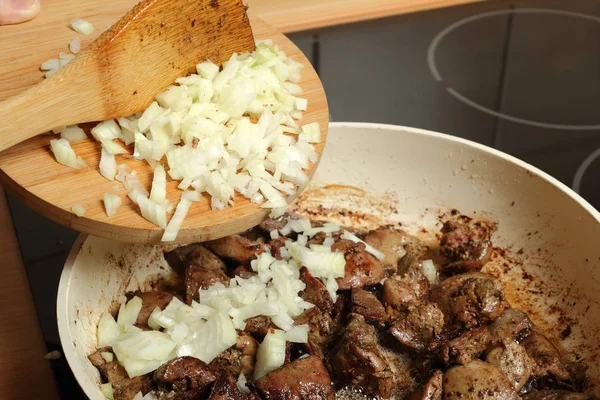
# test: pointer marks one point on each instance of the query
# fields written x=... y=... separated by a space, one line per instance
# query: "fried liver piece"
x=469 y=300
x=237 y=248
x=357 y=361
x=225 y=388
x=197 y=278
x=320 y=329
x=510 y=325
x=315 y=292
x=184 y=378
x=151 y=300
x=238 y=359
x=477 y=380
x=124 y=388
x=551 y=369
x=431 y=390
x=417 y=324
x=397 y=246
x=514 y=361
x=368 y=305
x=396 y=292
x=362 y=268
x=259 y=326
x=557 y=395
x=193 y=254
x=467 y=347
x=466 y=244
x=303 y=379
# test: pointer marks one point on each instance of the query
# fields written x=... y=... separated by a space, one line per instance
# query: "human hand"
x=15 y=11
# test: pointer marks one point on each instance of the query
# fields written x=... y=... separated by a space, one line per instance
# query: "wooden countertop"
x=24 y=372
x=298 y=15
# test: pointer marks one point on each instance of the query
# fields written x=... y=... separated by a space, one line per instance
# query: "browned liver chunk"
x=368 y=305
x=466 y=244
x=187 y=378
x=397 y=246
x=357 y=361
x=320 y=329
x=238 y=359
x=417 y=324
x=469 y=300
x=197 y=278
x=124 y=388
x=362 y=269
x=151 y=300
x=477 y=380
x=237 y=248
x=315 y=292
x=304 y=379
x=432 y=390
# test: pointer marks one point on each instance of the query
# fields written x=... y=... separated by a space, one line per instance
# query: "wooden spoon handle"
x=52 y=103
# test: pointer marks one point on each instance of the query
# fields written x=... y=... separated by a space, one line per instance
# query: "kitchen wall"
x=505 y=80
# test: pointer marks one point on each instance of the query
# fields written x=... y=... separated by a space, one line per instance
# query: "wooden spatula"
x=122 y=71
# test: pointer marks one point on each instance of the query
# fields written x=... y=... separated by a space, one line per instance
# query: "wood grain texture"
x=24 y=373
x=31 y=173
x=139 y=56
x=296 y=15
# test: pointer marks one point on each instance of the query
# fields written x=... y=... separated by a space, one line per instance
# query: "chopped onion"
x=430 y=272
x=319 y=263
x=349 y=236
x=207 y=70
x=73 y=134
x=311 y=133
x=148 y=396
x=177 y=219
x=51 y=72
x=298 y=334
x=270 y=354
x=108 y=165
x=158 y=193
x=153 y=212
x=75 y=46
x=107 y=390
x=242 y=384
x=113 y=148
x=53 y=355
x=78 y=210
x=63 y=62
x=301 y=104
x=108 y=330
x=206 y=328
x=144 y=352
x=128 y=313
x=50 y=65
x=149 y=116
x=214 y=337
x=81 y=26
x=63 y=152
x=203 y=125
x=106 y=130
x=112 y=202
x=107 y=356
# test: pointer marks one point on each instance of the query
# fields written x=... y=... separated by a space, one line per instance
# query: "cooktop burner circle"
x=431 y=62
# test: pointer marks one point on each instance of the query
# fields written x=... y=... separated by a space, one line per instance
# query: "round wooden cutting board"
x=30 y=172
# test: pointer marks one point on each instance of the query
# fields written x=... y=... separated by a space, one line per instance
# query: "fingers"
x=16 y=11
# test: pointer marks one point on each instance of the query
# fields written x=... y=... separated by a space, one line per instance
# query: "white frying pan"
x=552 y=268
